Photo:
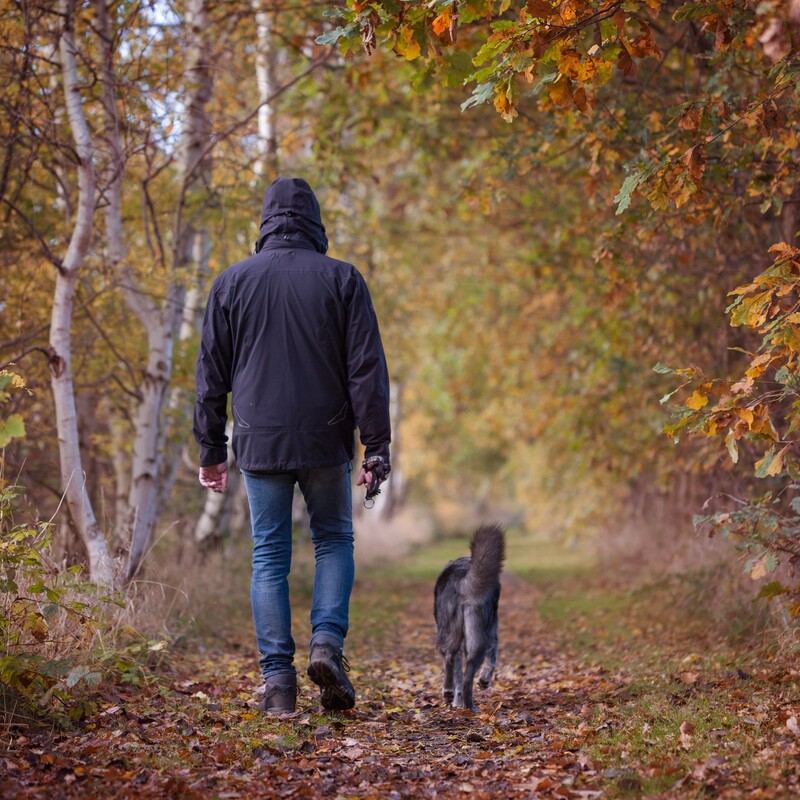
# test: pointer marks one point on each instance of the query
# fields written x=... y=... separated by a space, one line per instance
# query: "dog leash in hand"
x=377 y=467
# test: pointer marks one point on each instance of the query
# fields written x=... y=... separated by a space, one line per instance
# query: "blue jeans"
x=328 y=495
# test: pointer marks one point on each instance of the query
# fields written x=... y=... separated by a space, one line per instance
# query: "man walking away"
x=292 y=335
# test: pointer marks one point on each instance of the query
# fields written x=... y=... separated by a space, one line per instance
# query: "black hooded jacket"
x=292 y=335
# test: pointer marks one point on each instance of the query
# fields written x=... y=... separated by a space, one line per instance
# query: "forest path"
x=588 y=702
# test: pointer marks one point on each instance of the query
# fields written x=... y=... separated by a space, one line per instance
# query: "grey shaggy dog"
x=466 y=599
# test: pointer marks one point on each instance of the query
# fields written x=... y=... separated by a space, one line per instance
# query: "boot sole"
x=274 y=711
x=334 y=696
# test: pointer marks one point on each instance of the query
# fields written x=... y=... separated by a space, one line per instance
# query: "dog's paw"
x=447 y=696
x=484 y=683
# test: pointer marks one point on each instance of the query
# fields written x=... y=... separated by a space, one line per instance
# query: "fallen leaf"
x=686 y=731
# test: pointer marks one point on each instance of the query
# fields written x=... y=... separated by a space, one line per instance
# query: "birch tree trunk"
x=267 y=142
x=159 y=322
x=142 y=499
x=217 y=507
x=190 y=255
x=194 y=243
x=115 y=254
x=72 y=475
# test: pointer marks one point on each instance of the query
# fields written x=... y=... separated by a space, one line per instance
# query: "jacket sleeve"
x=368 y=376
x=213 y=382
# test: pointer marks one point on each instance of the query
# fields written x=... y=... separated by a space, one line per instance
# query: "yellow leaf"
x=569 y=62
x=776 y=465
x=567 y=14
x=36 y=626
x=442 y=22
x=758 y=365
x=733 y=448
x=407 y=46
x=573 y=66
x=743 y=289
x=697 y=401
x=762 y=422
x=504 y=106
x=784 y=251
x=561 y=91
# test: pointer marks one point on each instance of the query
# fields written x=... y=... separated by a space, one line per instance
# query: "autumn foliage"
x=566 y=212
x=685 y=118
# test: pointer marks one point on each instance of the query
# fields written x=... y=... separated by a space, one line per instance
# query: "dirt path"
x=193 y=735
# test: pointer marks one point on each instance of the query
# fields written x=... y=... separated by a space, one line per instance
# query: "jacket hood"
x=291 y=211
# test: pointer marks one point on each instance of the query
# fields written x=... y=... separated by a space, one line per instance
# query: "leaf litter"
x=561 y=722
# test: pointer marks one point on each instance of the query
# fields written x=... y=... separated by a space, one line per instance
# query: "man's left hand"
x=215 y=478
x=374 y=471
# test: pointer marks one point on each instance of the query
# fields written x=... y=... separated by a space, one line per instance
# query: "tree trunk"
x=218 y=507
x=267 y=142
x=207 y=531
x=790 y=217
x=122 y=475
x=395 y=485
x=159 y=323
x=73 y=477
x=147 y=450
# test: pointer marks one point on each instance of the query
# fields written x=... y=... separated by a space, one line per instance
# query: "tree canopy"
x=547 y=200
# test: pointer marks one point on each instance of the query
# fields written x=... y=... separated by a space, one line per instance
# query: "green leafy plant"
x=48 y=619
x=11 y=426
x=52 y=620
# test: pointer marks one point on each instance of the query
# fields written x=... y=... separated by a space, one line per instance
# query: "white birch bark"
x=159 y=322
x=207 y=528
x=267 y=142
x=114 y=237
x=72 y=475
x=197 y=171
x=142 y=499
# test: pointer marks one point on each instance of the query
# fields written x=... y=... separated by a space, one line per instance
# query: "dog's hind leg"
x=475 y=643
x=448 y=690
x=472 y=664
x=456 y=679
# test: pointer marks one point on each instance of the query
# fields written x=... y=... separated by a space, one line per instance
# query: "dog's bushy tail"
x=488 y=550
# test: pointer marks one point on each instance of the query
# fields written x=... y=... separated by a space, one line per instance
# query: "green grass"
x=535 y=558
x=682 y=663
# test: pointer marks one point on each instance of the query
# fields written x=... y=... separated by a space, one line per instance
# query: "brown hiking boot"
x=327 y=667
x=280 y=694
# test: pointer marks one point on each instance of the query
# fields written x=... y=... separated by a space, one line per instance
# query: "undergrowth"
x=62 y=636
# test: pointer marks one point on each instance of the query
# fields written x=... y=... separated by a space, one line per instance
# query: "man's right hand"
x=215 y=478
